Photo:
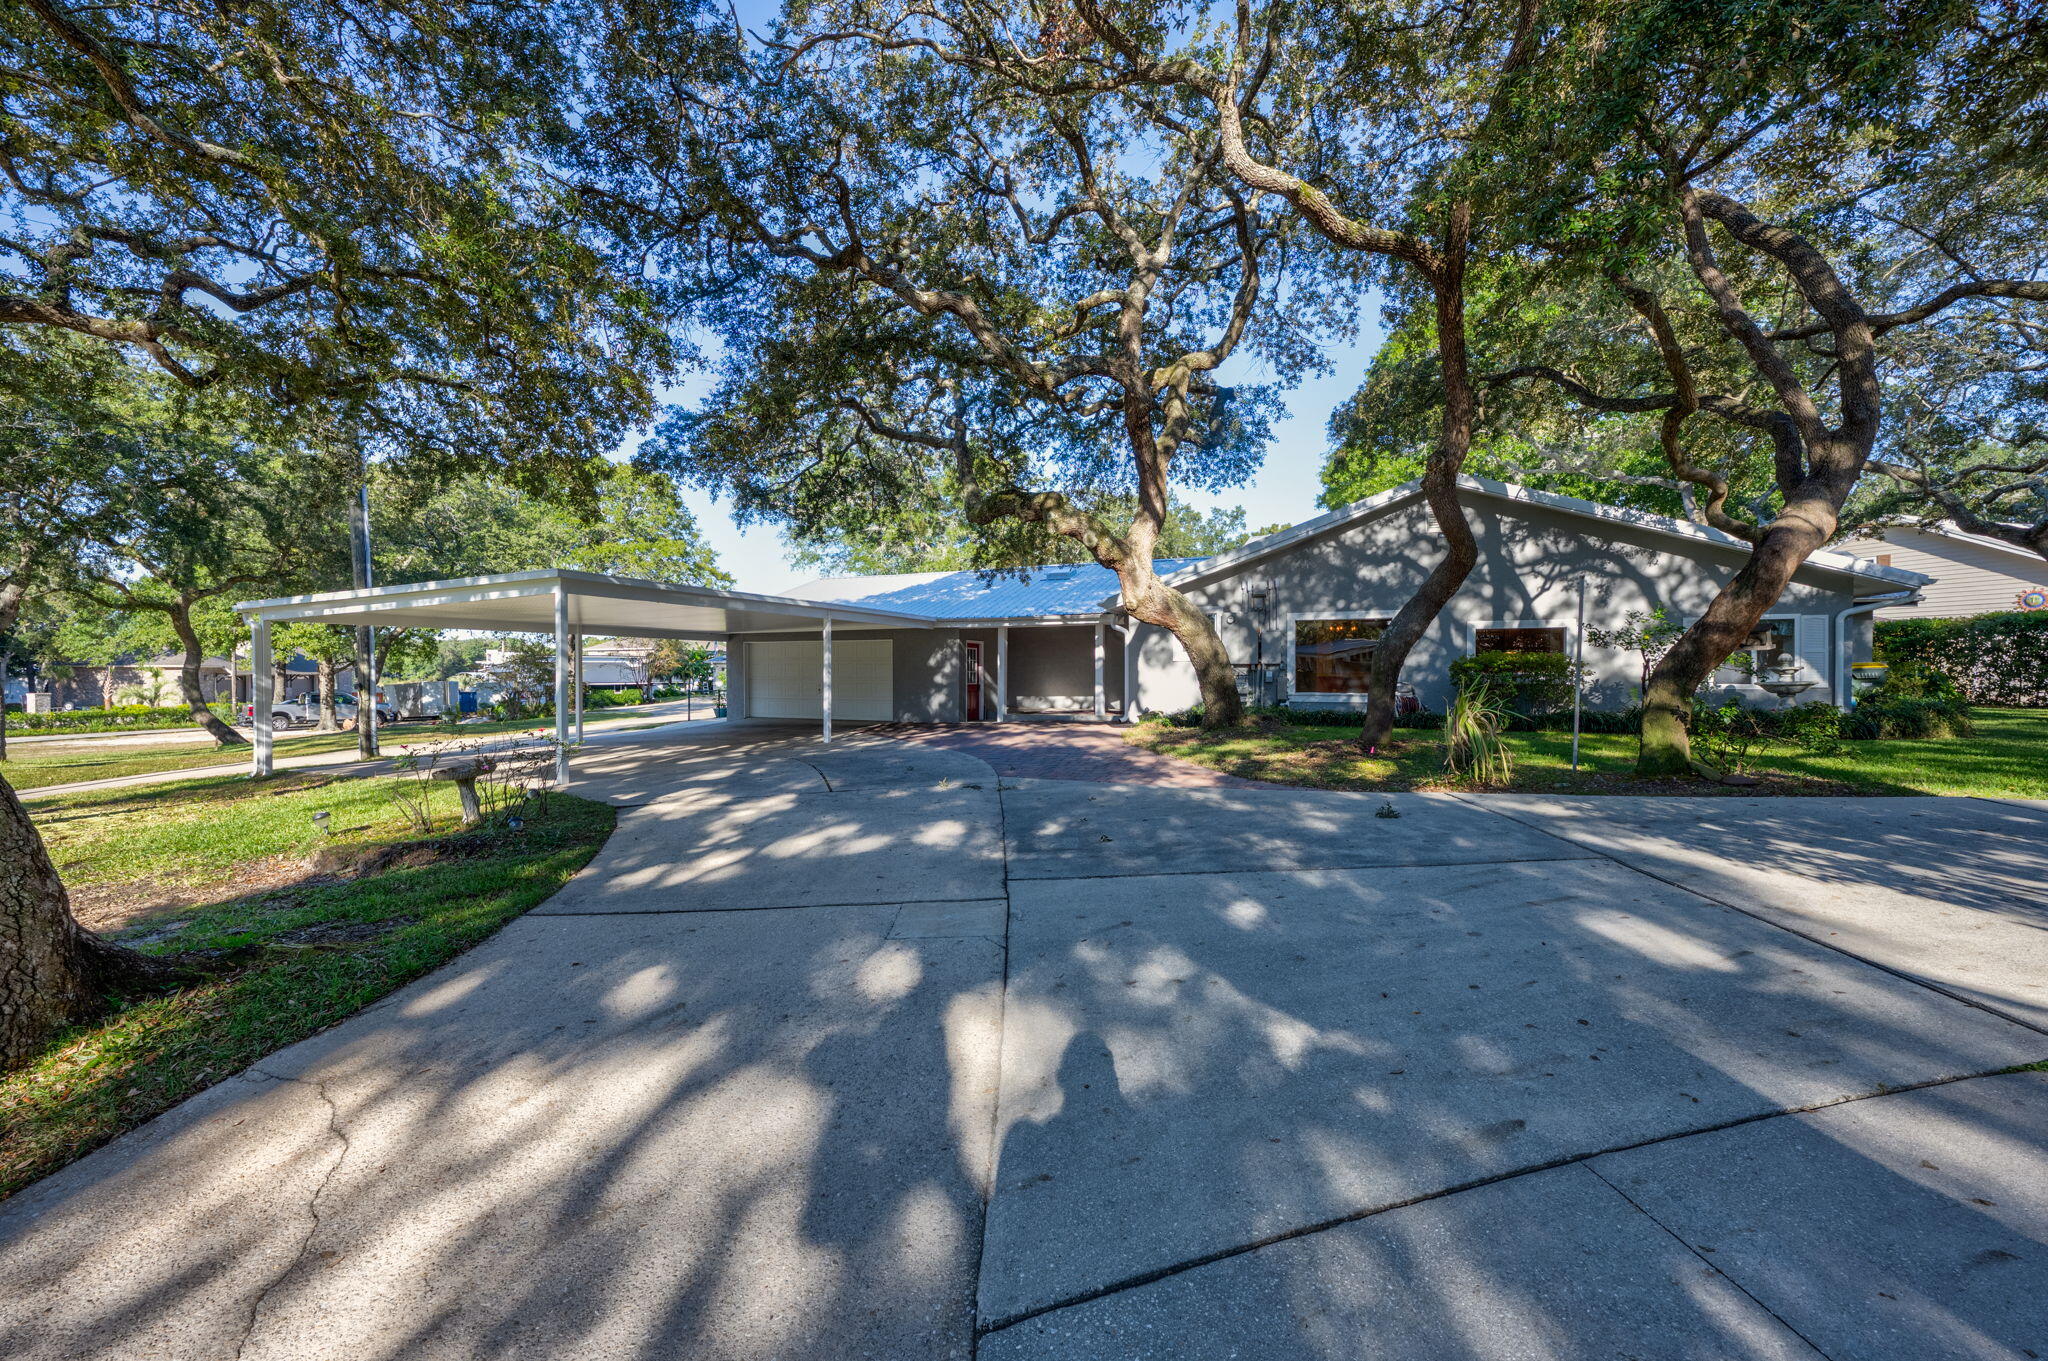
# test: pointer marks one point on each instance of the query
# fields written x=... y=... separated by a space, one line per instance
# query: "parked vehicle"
x=303 y=711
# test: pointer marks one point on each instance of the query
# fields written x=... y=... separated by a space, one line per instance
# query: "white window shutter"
x=1810 y=641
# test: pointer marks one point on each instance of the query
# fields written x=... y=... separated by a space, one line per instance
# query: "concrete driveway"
x=866 y=1052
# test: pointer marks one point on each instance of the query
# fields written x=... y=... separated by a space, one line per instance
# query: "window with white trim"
x=1520 y=638
x=1334 y=656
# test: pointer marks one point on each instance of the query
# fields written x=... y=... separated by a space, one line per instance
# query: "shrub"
x=122 y=718
x=1528 y=683
x=1915 y=700
x=1997 y=658
x=1314 y=716
x=1892 y=715
x=1728 y=734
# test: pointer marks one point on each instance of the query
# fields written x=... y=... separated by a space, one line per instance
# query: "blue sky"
x=1283 y=492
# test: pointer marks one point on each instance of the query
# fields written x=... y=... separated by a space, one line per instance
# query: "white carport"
x=566 y=604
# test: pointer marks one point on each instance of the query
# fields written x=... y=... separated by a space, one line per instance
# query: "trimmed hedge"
x=1999 y=659
x=123 y=718
x=1531 y=683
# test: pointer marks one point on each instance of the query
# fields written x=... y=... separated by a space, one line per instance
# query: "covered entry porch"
x=569 y=605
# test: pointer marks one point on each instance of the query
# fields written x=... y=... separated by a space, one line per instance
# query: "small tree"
x=526 y=668
x=329 y=648
x=1649 y=633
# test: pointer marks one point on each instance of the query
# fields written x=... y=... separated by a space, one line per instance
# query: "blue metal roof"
x=1064 y=588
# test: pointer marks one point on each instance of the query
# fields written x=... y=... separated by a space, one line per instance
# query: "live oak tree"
x=1966 y=440
x=329 y=648
x=1381 y=435
x=934 y=272
x=1765 y=229
x=333 y=206
x=629 y=522
x=1377 y=127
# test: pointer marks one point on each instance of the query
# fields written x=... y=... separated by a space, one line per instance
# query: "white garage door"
x=785 y=680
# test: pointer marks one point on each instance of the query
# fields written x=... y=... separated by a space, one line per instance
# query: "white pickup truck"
x=304 y=712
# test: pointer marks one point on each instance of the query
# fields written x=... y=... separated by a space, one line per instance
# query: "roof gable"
x=1947 y=530
x=1682 y=531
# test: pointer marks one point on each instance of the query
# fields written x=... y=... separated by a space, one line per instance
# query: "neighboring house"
x=86 y=686
x=1298 y=611
x=1972 y=574
x=601 y=670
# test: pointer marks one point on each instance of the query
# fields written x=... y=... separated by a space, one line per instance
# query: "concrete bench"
x=466 y=774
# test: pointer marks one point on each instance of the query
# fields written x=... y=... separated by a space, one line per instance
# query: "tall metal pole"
x=1578 y=672
x=366 y=637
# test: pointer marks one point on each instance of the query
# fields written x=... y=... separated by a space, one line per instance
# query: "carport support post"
x=561 y=685
x=261 y=682
x=1101 y=701
x=1002 y=673
x=825 y=681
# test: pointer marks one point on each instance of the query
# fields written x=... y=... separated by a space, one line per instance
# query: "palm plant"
x=1473 y=748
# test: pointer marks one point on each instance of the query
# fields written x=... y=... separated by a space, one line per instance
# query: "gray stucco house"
x=1297 y=611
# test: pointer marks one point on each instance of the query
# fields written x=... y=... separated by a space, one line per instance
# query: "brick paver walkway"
x=1095 y=752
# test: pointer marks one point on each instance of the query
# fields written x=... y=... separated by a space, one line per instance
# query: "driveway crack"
x=313 y=1220
x=1160 y=1273
x=1714 y=1267
x=995 y=1114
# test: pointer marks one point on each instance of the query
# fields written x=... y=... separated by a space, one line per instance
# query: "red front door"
x=970 y=705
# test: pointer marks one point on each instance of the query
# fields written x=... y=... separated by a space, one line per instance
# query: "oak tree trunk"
x=53 y=972
x=1803 y=526
x=188 y=681
x=330 y=715
x=1152 y=601
x=1439 y=489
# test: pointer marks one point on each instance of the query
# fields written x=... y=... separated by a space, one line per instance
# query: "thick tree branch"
x=2030 y=290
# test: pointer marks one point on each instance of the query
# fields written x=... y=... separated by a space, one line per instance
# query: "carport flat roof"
x=524 y=602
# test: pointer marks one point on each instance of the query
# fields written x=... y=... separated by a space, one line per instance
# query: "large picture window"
x=1531 y=639
x=1334 y=656
x=1741 y=666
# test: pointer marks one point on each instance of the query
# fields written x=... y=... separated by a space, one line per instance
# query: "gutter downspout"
x=1845 y=696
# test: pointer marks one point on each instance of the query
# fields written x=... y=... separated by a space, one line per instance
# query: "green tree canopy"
x=935 y=267
x=337 y=204
x=936 y=536
x=635 y=524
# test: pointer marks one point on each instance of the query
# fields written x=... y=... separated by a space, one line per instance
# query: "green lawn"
x=43 y=764
x=306 y=928
x=2007 y=755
